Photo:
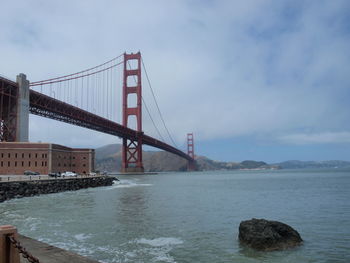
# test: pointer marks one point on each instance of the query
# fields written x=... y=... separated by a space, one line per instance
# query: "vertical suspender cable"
x=161 y=116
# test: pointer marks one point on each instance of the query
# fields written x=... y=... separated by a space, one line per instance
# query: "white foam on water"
x=154 y=250
x=31 y=223
x=146 y=250
x=125 y=184
x=162 y=255
x=71 y=245
x=158 y=254
x=82 y=237
x=160 y=242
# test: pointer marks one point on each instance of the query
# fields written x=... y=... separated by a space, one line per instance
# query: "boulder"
x=266 y=235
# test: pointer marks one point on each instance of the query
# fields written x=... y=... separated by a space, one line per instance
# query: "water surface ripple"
x=192 y=217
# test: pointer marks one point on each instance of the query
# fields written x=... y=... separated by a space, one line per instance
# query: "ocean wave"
x=158 y=249
x=126 y=184
x=82 y=236
x=160 y=242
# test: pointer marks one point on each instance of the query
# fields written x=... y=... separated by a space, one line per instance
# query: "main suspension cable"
x=154 y=97
x=44 y=82
x=149 y=114
x=77 y=73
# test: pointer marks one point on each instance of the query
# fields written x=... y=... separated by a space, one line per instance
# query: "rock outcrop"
x=266 y=235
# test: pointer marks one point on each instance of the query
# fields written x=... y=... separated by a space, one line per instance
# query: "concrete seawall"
x=15 y=248
x=50 y=254
x=18 y=189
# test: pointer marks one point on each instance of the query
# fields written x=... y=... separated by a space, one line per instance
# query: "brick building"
x=17 y=157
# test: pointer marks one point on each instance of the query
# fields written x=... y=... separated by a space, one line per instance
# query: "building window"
x=2 y=155
x=9 y=164
x=15 y=164
x=73 y=157
x=36 y=163
x=36 y=155
x=84 y=157
x=22 y=163
x=45 y=163
x=2 y=163
x=42 y=155
x=84 y=165
x=29 y=163
x=59 y=165
x=22 y=155
x=9 y=155
x=16 y=155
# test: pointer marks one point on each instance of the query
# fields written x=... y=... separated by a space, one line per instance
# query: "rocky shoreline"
x=18 y=189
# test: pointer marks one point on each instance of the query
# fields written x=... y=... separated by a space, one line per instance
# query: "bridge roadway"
x=46 y=106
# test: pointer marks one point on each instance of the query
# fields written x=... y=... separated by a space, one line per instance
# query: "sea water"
x=192 y=217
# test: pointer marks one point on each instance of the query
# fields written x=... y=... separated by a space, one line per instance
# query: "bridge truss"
x=49 y=106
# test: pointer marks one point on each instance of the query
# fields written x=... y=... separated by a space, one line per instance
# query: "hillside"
x=295 y=164
x=108 y=158
x=206 y=164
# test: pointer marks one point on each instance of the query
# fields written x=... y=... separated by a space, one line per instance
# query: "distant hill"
x=107 y=151
x=108 y=158
x=295 y=164
x=206 y=164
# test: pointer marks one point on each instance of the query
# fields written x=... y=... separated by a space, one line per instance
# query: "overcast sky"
x=253 y=79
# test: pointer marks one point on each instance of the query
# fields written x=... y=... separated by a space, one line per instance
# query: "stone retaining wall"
x=9 y=190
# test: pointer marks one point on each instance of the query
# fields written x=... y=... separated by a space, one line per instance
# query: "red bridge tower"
x=190 y=151
x=132 y=149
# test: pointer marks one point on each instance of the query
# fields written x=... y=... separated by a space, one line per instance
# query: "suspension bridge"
x=89 y=98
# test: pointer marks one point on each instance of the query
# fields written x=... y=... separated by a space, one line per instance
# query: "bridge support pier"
x=132 y=156
x=14 y=110
x=132 y=149
x=22 y=109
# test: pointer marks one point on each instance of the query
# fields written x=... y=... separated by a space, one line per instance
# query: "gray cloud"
x=326 y=137
x=219 y=68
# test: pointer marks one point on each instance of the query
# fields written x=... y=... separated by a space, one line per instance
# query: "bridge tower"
x=190 y=151
x=132 y=149
x=14 y=110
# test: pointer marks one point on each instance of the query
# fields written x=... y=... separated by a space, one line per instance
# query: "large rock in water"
x=268 y=235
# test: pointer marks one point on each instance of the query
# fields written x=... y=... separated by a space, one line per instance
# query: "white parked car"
x=69 y=174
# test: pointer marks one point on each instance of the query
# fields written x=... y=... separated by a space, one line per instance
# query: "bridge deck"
x=46 y=106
